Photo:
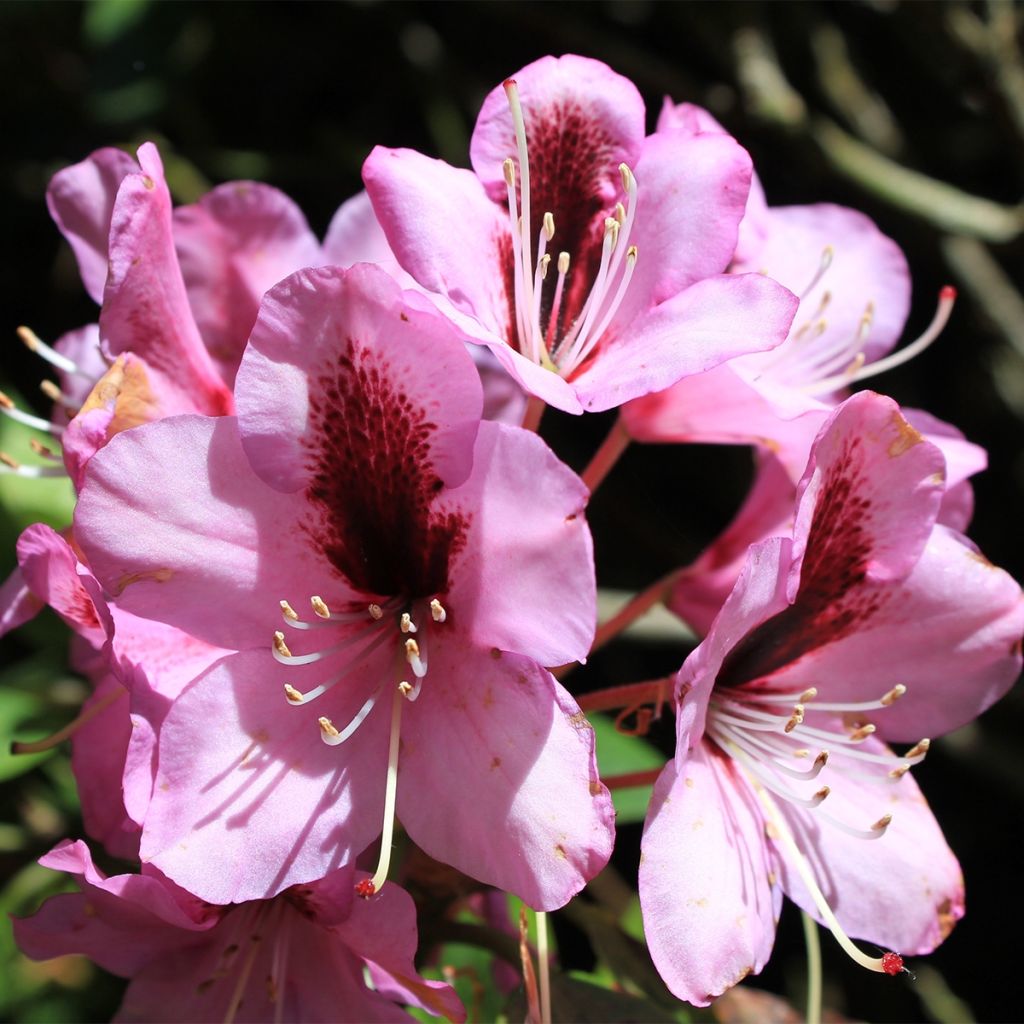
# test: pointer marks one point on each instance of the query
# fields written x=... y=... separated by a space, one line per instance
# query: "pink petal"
x=341 y=368
x=18 y=604
x=866 y=267
x=755 y=226
x=712 y=321
x=382 y=931
x=355 y=235
x=582 y=120
x=515 y=800
x=546 y=606
x=120 y=922
x=248 y=800
x=867 y=501
x=97 y=758
x=447 y=234
x=56 y=577
x=951 y=633
x=234 y=244
x=81 y=200
x=707 y=887
x=179 y=529
x=691 y=196
x=903 y=891
x=145 y=306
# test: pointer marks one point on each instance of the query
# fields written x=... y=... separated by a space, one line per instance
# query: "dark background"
x=296 y=94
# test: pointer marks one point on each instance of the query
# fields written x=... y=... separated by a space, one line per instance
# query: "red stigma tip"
x=509 y=83
x=892 y=963
x=365 y=889
x=947 y=292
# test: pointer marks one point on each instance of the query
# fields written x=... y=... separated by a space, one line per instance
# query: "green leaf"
x=578 y=1000
x=619 y=753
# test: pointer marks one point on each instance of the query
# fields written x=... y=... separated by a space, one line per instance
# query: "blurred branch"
x=990 y=286
x=993 y=43
x=864 y=110
x=770 y=96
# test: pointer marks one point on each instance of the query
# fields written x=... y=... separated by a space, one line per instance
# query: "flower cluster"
x=325 y=576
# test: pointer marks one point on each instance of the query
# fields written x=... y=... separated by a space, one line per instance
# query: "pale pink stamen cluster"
x=544 y=345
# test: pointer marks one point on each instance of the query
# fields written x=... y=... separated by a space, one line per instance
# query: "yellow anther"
x=406 y=624
x=862 y=733
x=508 y=169
x=280 y=646
x=320 y=609
x=376 y=612
x=894 y=694
x=882 y=824
x=292 y=694
x=549 y=226
x=918 y=750
x=437 y=611
x=289 y=612
x=327 y=727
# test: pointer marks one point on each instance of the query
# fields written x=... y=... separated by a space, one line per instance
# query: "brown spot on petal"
x=373 y=483
x=124 y=388
x=560 y=851
x=596 y=788
x=495 y=763
x=906 y=437
x=495 y=653
x=488 y=700
x=148 y=576
x=947 y=917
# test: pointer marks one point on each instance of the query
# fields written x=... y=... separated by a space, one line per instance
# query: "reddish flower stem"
x=606 y=456
x=654 y=691
x=534 y=411
x=643 y=778
x=632 y=610
x=47 y=743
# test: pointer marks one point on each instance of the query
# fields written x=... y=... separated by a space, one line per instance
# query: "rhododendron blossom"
x=358 y=483
x=642 y=226
x=781 y=778
x=854 y=290
x=312 y=953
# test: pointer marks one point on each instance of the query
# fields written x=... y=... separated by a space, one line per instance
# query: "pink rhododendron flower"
x=304 y=955
x=631 y=296
x=869 y=623
x=854 y=291
x=359 y=481
x=138 y=667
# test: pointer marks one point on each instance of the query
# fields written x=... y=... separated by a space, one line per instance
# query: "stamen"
x=556 y=302
x=333 y=736
x=826 y=261
x=41 y=449
x=12 y=467
x=52 y=392
x=862 y=733
x=417 y=662
x=437 y=611
x=886 y=700
x=410 y=691
x=35 y=344
x=795 y=719
x=947 y=298
x=319 y=607
x=365 y=888
x=297 y=697
x=406 y=624
x=289 y=612
x=883 y=964
x=11 y=411
x=376 y=612
x=918 y=750
x=280 y=647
